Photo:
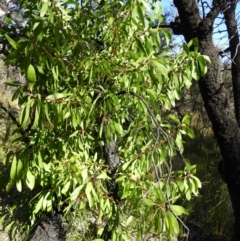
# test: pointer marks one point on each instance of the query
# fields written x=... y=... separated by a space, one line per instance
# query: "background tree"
x=92 y=133
x=197 y=21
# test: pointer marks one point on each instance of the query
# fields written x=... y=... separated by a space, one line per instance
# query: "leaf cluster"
x=94 y=73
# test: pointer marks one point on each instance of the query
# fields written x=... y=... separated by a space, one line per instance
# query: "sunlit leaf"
x=31 y=76
x=88 y=191
x=160 y=67
x=173 y=223
x=148 y=202
x=30 y=180
x=178 y=210
x=44 y=9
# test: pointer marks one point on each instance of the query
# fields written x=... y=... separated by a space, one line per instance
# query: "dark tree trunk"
x=232 y=28
x=224 y=119
x=49 y=228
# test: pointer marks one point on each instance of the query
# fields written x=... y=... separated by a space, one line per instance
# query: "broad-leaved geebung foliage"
x=96 y=72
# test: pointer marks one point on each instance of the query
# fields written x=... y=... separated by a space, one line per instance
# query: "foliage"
x=210 y=213
x=95 y=76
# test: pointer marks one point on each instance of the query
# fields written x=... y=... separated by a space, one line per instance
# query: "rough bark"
x=232 y=29
x=222 y=116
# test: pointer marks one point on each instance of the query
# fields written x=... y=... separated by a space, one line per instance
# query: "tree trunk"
x=232 y=29
x=224 y=119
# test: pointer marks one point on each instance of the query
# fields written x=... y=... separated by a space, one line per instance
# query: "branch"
x=203 y=9
x=148 y=108
x=220 y=31
x=176 y=26
x=189 y=16
x=13 y=118
x=212 y=15
x=222 y=53
x=10 y=115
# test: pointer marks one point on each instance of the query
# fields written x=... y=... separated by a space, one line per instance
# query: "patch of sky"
x=220 y=35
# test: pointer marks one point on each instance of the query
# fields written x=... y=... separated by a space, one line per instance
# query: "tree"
x=225 y=120
x=92 y=131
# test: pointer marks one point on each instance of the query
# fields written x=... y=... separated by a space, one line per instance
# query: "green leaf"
x=30 y=180
x=103 y=175
x=13 y=170
x=174 y=118
x=88 y=191
x=133 y=55
x=179 y=142
x=187 y=119
x=74 y=195
x=206 y=58
x=9 y=185
x=140 y=45
x=167 y=35
x=37 y=114
x=84 y=173
x=152 y=93
x=202 y=65
x=188 y=194
x=178 y=210
x=44 y=9
x=118 y=128
x=158 y=223
x=185 y=48
x=14 y=83
x=193 y=186
x=19 y=185
x=181 y=186
x=195 y=70
x=31 y=76
x=9 y=226
x=173 y=223
x=11 y=41
x=188 y=131
x=187 y=80
x=140 y=13
x=163 y=155
x=160 y=67
x=24 y=116
x=7 y=20
x=47 y=202
x=193 y=42
x=39 y=205
x=126 y=165
x=56 y=96
x=19 y=168
x=82 y=204
x=148 y=202
x=13 y=56
x=2 y=219
x=17 y=93
x=66 y=187
x=197 y=182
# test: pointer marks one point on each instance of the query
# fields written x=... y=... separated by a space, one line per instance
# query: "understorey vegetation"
x=97 y=134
